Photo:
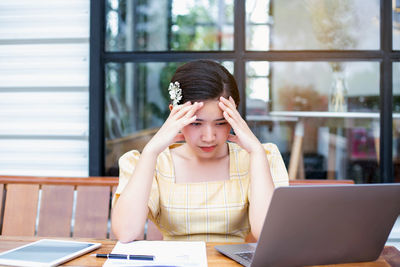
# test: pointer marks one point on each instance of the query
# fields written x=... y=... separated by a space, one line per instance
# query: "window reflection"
x=257 y=88
x=311 y=86
x=396 y=24
x=312 y=24
x=136 y=96
x=152 y=25
x=335 y=144
x=136 y=104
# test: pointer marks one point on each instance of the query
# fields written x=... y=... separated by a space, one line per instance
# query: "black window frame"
x=99 y=58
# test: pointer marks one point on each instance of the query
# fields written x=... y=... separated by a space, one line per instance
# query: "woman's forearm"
x=262 y=187
x=130 y=211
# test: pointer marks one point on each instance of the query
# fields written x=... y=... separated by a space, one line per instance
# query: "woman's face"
x=208 y=134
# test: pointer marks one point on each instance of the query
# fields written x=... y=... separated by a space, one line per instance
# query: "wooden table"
x=389 y=257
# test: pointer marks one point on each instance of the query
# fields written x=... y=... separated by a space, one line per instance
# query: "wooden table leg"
x=296 y=151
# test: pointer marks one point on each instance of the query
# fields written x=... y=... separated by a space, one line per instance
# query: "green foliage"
x=194 y=31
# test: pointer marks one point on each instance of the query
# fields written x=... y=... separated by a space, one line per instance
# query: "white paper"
x=167 y=253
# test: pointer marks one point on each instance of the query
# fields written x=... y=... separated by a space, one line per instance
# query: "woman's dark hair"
x=205 y=80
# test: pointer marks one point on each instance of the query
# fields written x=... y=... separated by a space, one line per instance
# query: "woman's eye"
x=221 y=123
x=195 y=124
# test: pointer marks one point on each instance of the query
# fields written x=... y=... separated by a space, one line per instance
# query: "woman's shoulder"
x=135 y=154
x=270 y=148
x=129 y=158
x=130 y=154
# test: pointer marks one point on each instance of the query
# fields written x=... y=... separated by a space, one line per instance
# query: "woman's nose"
x=208 y=134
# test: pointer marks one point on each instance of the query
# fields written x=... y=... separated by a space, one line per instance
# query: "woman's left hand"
x=244 y=137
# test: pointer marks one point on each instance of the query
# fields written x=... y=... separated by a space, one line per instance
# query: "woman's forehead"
x=210 y=111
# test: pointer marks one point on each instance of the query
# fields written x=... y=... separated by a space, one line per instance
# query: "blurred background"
x=82 y=82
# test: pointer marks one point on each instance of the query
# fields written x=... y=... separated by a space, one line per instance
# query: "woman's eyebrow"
x=220 y=119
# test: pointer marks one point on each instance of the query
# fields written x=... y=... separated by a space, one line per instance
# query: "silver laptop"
x=327 y=224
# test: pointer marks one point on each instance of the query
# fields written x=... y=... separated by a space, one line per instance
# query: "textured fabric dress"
x=208 y=211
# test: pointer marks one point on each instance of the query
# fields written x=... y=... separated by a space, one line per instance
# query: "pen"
x=126 y=257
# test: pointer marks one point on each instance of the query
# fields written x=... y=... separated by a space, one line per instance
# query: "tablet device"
x=46 y=252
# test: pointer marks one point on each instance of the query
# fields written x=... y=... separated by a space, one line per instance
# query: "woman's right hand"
x=169 y=132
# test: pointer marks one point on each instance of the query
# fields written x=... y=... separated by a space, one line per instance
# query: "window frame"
x=99 y=58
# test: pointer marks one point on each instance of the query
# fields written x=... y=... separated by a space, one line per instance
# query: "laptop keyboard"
x=246 y=255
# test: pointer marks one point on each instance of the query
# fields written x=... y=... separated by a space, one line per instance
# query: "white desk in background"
x=296 y=165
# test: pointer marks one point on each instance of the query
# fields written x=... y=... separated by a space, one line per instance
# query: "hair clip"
x=175 y=93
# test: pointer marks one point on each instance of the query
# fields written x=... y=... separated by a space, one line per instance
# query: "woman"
x=212 y=185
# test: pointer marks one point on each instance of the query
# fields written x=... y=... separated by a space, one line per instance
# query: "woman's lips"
x=207 y=148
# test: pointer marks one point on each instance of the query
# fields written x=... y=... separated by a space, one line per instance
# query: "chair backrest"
x=20 y=209
x=54 y=206
x=60 y=207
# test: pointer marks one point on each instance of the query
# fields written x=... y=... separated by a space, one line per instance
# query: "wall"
x=44 y=79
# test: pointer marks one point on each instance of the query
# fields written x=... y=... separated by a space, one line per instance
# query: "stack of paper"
x=167 y=253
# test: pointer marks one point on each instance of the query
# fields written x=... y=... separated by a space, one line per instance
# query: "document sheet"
x=167 y=253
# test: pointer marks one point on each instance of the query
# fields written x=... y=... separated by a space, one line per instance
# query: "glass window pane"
x=323 y=86
x=312 y=25
x=154 y=25
x=396 y=24
x=396 y=121
x=338 y=86
x=338 y=141
x=257 y=88
x=136 y=99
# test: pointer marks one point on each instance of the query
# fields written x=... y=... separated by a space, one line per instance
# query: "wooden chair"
x=55 y=206
x=60 y=207
x=117 y=147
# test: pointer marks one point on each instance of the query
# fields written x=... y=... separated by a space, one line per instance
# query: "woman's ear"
x=170 y=107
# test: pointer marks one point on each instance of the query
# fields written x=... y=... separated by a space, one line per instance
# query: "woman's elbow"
x=124 y=239
x=126 y=232
x=127 y=235
x=250 y=238
x=255 y=235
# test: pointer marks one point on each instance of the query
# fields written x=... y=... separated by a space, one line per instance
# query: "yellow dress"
x=209 y=211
